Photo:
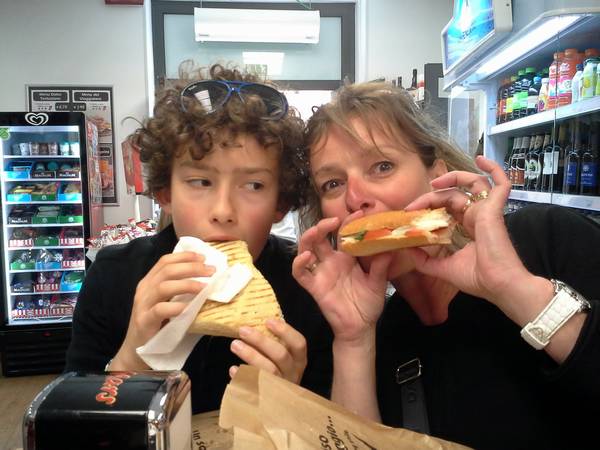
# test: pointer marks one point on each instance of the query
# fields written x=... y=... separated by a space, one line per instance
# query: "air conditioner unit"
x=256 y=25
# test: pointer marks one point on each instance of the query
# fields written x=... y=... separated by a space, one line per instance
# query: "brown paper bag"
x=208 y=435
x=267 y=412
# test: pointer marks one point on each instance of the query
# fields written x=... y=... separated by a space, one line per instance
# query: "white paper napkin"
x=170 y=347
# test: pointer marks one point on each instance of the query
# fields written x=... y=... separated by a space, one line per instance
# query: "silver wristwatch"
x=565 y=304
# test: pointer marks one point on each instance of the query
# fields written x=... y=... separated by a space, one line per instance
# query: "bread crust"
x=255 y=303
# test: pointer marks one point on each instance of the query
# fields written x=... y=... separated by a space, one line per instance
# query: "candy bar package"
x=111 y=411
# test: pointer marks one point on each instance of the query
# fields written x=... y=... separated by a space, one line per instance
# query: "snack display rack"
x=51 y=202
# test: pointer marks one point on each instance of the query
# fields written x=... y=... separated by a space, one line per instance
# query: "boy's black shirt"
x=104 y=307
x=485 y=386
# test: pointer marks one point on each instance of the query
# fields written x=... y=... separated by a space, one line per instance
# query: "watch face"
x=561 y=286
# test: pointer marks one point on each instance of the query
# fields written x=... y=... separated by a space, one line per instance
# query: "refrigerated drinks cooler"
x=51 y=204
x=527 y=82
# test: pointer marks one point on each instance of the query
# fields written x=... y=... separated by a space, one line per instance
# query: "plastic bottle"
x=526 y=83
x=505 y=87
x=516 y=103
x=553 y=76
x=589 y=77
x=576 y=84
x=509 y=98
x=566 y=72
x=500 y=102
x=543 y=95
x=533 y=95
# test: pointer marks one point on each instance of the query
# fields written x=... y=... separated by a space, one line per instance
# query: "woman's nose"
x=358 y=196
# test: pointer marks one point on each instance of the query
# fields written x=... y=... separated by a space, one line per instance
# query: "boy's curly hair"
x=176 y=128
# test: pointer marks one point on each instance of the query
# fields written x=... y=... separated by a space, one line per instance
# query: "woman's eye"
x=199 y=182
x=255 y=185
x=330 y=185
x=383 y=166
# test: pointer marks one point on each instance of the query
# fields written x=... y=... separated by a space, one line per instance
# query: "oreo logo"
x=36 y=118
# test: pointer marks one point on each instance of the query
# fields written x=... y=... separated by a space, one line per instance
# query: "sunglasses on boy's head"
x=213 y=94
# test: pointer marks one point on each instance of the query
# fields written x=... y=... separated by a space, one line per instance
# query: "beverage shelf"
x=46 y=246
x=21 y=180
x=41 y=129
x=42 y=293
x=46 y=202
x=56 y=314
x=62 y=269
x=572 y=201
x=42 y=156
x=44 y=225
x=587 y=106
x=531 y=196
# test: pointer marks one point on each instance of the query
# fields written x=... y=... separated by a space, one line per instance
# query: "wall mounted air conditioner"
x=256 y=25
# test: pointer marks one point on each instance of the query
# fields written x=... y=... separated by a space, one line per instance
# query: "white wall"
x=78 y=42
x=402 y=35
x=87 y=42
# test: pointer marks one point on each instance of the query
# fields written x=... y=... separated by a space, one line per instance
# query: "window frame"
x=345 y=11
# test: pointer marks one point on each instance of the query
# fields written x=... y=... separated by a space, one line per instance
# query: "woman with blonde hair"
x=444 y=354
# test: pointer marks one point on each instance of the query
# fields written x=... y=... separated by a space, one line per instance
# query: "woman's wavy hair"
x=176 y=128
x=384 y=109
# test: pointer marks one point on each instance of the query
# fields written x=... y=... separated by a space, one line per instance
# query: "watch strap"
x=565 y=304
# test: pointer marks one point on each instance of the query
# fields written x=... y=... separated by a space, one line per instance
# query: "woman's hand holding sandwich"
x=169 y=277
x=352 y=301
x=488 y=266
x=350 y=298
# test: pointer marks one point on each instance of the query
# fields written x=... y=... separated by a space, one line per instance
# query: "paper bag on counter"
x=208 y=435
x=264 y=411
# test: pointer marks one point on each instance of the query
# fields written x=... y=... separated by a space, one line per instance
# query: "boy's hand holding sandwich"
x=169 y=277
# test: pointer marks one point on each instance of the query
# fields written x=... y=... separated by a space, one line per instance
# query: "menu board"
x=96 y=102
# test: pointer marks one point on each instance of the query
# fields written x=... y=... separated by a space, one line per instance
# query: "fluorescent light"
x=273 y=61
x=256 y=25
x=540 y=34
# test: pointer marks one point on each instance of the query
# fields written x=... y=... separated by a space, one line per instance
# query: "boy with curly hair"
x=223 y=161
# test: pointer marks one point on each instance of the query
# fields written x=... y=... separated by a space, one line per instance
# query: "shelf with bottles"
x=583 y=107
x=563 y=87
x=563 y=170
x=57 y=306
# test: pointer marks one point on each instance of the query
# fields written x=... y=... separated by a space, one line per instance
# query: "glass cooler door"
x=532 y=103
x=43 y=210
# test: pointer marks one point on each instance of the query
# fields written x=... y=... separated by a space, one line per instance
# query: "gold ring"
x=311 y=268
x=480 y=196
x=468 y=203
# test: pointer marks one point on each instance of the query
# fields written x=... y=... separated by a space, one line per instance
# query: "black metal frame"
x=343 y=10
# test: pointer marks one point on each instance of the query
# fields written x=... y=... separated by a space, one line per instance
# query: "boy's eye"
x=330 y=185
x=199 y=182
x=255 y=186
x=383 y=166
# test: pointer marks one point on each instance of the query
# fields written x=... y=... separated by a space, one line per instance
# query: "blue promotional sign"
x=473 y=23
